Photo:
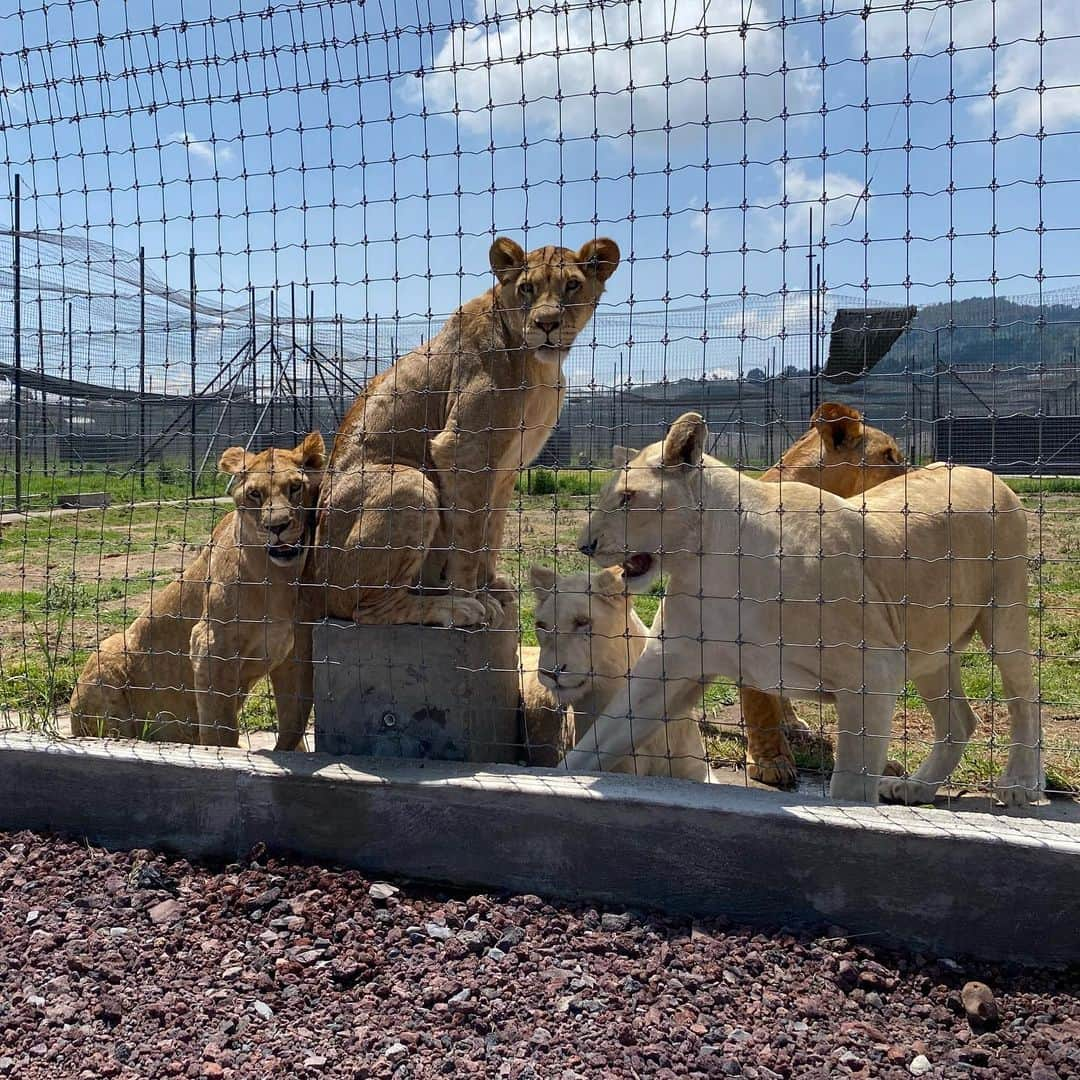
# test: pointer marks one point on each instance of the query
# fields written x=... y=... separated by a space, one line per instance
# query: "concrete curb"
x=999 y=887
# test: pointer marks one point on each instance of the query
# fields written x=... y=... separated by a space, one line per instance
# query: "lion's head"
x=840 y=454
x=587 y=630
x=549 y=295
x=651 y=506
x=275 y=493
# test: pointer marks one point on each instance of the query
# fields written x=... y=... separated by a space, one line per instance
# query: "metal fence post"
x=191 y=294
x=17 y=425
x=142 y=369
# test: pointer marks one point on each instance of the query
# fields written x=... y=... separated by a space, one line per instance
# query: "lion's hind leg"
x=1004 y=631
x=954 y=723
x=100 y=707
x=380 y=558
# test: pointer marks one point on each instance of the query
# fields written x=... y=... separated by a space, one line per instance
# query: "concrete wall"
x=1000 y=887
x=417 y=692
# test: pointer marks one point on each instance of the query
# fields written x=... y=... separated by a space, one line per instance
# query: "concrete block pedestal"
x=417 y=692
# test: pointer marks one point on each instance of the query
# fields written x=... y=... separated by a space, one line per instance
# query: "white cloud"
x=837 y=197
x=1015 y=68
x=209 y=152
x=591 y=53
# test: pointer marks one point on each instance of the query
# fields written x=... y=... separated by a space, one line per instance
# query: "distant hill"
x=1025 y=336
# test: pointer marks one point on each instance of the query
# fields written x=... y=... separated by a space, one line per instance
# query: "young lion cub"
x=181 y=671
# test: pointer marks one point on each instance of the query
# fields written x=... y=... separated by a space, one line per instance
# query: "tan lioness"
x=181 y=671
x=423 y=469
x=798 y=591
x=842 y=454
x=590 y=637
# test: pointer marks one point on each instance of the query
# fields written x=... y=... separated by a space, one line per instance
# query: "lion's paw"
x=464 y=611
x=493 y=610
x=898 y=789
x=1019 y=790
x=779 y=772
x=853 y=787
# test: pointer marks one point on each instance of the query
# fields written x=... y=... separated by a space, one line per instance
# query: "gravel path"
x=133 y=965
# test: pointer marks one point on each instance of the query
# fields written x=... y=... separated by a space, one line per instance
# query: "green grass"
x=116 y=531
x=73 y=598
x=165 y=481
x=562 y=481
x=86 y=596
x=1044 y=485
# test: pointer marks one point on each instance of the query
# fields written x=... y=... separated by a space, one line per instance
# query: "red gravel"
x=137 y=965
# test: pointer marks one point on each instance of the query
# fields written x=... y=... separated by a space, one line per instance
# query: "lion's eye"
x=295 y=487
x=626 y=498
x=254 y=496
x=583 y=624
x=525 y=288
x=573 y=285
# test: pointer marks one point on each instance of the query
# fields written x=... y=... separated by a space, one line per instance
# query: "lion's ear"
x=507 y=259
x=609 y=582
x=621 y=456
x=840 y=424
x=600 y=258
x=234 y=460
x=685 y=442
x=542 y=579
x=312 y=452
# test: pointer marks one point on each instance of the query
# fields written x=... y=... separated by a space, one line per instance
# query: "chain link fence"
x=227 y=226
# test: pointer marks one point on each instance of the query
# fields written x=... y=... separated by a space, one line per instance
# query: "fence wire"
x=414 y=383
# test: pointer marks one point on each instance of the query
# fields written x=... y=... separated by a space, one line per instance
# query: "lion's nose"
x=588 y=548
x=547 y=325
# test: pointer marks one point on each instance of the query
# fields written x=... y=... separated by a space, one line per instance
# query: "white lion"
x=797 y=591
x=590 y=638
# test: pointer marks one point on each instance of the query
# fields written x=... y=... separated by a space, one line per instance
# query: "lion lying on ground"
x=843 y=455
x=590 y=637
x=181 y=671
x=423 y=469
x=830 y=600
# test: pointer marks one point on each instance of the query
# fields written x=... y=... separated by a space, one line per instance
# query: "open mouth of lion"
x=284 y=553
x=637 y=565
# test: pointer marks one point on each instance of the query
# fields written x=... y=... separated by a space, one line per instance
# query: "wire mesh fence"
x=492 y=254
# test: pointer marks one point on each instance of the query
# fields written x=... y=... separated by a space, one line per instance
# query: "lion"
x=798 y=591
x=842 y=454
x=423 y=469
x=181 y=671
x=590 y=638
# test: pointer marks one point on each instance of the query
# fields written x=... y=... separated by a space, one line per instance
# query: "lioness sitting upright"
x=797 y=591
x=181 y=671
x=423 y=469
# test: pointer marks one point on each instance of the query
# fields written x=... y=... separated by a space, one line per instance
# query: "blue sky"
x=342 y=146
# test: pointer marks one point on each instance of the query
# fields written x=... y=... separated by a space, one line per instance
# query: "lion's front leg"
x=769 y=757
x=655 y=696
x=218 y=689
x=293 y=683
x=862 y=743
